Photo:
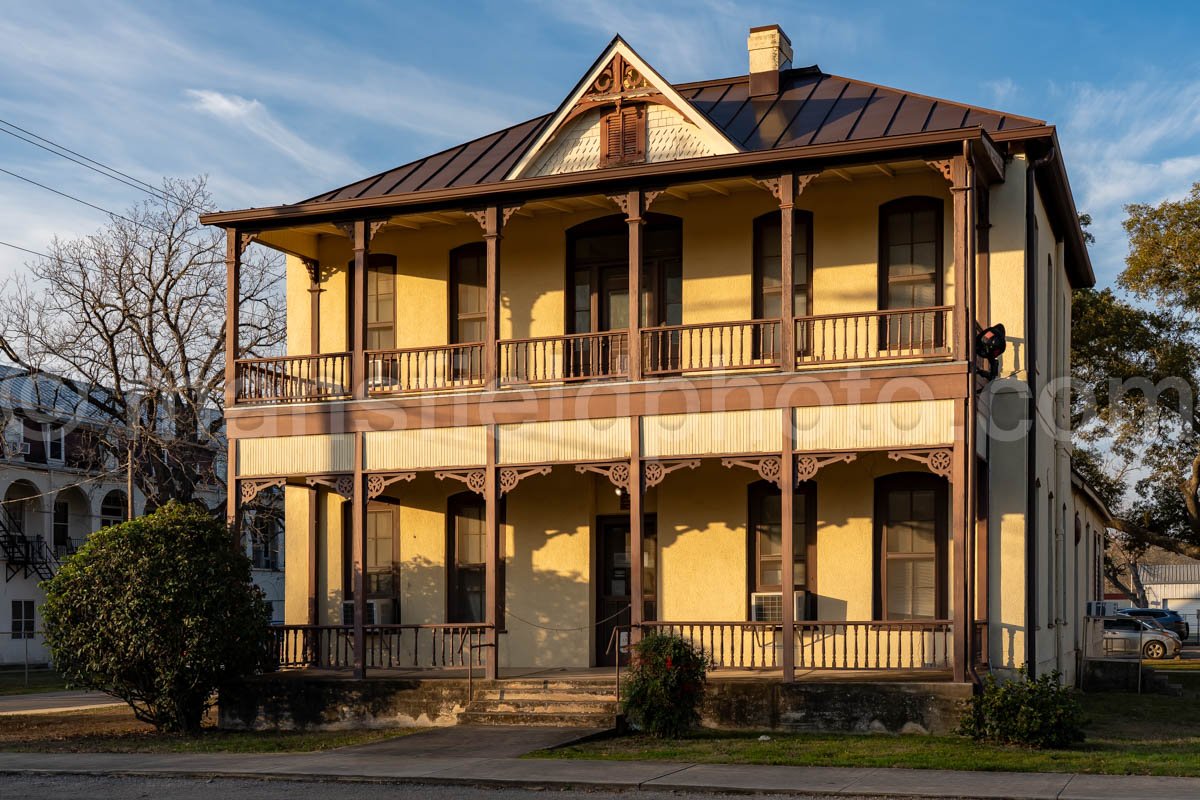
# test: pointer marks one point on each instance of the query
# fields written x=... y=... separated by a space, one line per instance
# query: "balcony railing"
x=565 y=359
x=387 y=646
x=426 y=369
x=709 y=347
x=874 y=335
x=289 y=379
x=819 y=645
x=869 y=336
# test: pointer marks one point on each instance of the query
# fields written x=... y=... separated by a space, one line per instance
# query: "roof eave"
x=597 y=180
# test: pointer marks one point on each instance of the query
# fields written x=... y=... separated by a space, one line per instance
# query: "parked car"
x=1125 y=635
x=1171 y=620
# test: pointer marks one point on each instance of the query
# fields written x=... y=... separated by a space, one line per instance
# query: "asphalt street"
x=57 y=787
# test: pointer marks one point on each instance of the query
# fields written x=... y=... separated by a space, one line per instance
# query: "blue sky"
x=276 y=101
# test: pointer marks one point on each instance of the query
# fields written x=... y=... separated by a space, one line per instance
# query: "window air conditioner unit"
x=1102 y=608
x=379 y=612
x=766 y=606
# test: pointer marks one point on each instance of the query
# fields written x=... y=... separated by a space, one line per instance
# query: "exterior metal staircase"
x=25 y=555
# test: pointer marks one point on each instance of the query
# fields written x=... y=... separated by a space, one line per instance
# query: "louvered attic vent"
x=623 y=136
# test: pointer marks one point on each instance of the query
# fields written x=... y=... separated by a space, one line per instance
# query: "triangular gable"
x=621 y=75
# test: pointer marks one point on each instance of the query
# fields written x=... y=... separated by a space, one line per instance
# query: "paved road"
x=52 y=702
x=36 y=787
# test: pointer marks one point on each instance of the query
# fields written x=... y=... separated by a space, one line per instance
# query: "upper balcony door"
x=911 y=273
x=598 y=289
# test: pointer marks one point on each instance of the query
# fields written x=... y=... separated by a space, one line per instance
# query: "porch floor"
x=607 y=674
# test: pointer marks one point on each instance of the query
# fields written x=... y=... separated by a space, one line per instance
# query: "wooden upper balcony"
x=901 y=335
x=419 y=305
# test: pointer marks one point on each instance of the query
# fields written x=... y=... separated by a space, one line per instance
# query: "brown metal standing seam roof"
x=811 y=108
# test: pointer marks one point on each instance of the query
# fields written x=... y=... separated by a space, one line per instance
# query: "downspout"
x=1031 y=480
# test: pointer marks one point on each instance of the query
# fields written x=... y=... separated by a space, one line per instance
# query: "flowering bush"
x=662 y=693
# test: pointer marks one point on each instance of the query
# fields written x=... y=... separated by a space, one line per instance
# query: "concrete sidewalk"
x=54 y=702
x=367 y=764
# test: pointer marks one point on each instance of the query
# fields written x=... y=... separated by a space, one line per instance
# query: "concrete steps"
x=544 y=703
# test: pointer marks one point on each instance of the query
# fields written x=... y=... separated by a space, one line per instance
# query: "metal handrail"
x=615 y=648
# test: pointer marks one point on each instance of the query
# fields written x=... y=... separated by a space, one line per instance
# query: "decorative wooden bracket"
x=649 y=196
x=617 y=472
x=769 y=468
x=339 y=484
x=378 y=483
x=475 y=479
x=247 y=239
x=938 y=460
x=511 y=476
x=249 y=489
x=621 y=200
x=945 y=166
x=772 y=185
x=655 y=471
x=775 y=185
x=480 y=215
x=808 y=464
x=373 y=227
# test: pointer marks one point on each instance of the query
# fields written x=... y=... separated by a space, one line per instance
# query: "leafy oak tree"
x=1136 y=365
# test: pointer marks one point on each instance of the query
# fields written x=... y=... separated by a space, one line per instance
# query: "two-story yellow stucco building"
x=626 y=366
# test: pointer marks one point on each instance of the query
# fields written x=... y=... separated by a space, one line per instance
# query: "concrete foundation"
x=831 y=706
x=288 y=701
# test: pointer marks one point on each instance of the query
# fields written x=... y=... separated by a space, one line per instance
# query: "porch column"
x=358 y=546
x=313 y=268
x=314 y=498
x=964 y=327
x=492 y=224
x=491 y=582
x=960 y=518
x=634 y=218
x=637 y=592
x=787 y=268
x=787 y=491
x=233 y=268
x=358 y=312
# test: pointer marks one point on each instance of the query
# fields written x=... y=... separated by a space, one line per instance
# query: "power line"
x=23 y=249
x=142 y=185
x=69 y=196
x=83 y=164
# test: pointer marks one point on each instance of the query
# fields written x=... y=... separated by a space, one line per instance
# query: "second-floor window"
x=381 y=302
x=910 y=253
x=62 y=526
x=468 y=293
x=768 y=273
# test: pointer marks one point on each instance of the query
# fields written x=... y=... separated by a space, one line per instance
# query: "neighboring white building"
x=1174 y=586
x=54 y=491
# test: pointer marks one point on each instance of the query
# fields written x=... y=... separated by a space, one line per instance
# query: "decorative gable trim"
x=618 y=79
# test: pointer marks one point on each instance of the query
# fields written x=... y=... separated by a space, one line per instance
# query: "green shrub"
x=662 y=693
x=158 y=612
x=1038 y=712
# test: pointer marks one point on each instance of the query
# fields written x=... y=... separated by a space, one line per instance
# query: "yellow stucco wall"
x=717 y=261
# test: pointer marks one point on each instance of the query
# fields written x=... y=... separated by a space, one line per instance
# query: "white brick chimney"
x=770 y=52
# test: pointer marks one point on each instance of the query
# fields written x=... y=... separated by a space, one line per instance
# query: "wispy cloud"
x=253 y=116
x=1136 y=142
x=1003 y=91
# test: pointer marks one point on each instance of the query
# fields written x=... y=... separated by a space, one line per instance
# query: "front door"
x=613 y=578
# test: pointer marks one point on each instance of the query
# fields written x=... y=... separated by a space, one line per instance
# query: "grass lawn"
x=115 y=730
x=1128 y=734
x=40 y=680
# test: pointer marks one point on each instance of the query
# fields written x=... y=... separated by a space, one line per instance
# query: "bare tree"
x=132 y=318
